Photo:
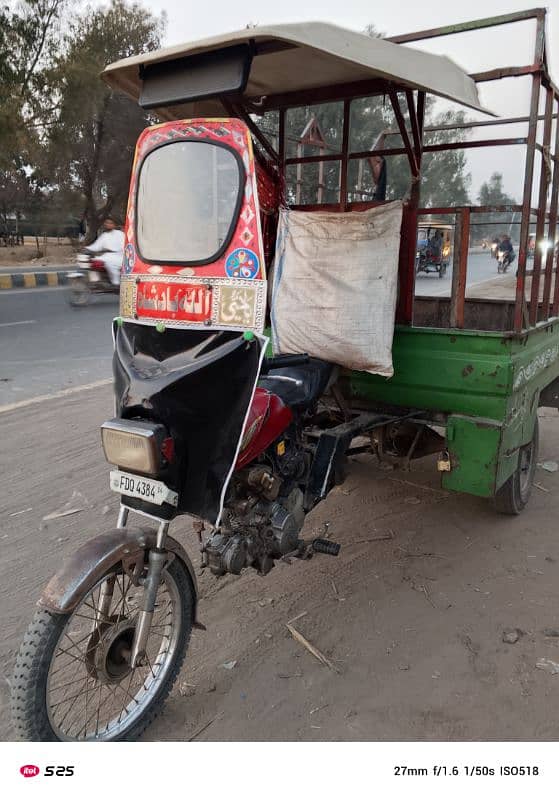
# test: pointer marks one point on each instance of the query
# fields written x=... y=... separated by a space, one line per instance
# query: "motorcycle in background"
x=504 y=260
x=90 y=278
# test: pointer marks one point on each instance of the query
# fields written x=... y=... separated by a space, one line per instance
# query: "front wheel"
x=79 y=293
x=515 y=493
x=72 y=679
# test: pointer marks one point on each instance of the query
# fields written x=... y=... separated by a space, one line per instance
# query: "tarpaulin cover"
x=335 y=286
x=199 y=384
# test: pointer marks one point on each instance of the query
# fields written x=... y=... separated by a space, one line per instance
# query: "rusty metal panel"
x=479 y=314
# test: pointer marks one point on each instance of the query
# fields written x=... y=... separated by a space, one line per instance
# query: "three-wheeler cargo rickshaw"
x=239 y=230
x=433 y=248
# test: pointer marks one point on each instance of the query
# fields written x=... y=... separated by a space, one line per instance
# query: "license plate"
x=94 y=277
x=143 y=488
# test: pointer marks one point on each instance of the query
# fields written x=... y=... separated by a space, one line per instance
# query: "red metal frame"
x=528 y=310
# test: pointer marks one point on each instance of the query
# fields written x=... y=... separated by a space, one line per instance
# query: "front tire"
x=513 y=495
x=96 y=673
x=79 y=293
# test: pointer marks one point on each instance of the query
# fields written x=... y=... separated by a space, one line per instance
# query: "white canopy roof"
x=307 y=56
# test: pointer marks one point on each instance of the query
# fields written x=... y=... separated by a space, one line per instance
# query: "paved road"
x=481 y=267
x=47 y=346
x=412 y=612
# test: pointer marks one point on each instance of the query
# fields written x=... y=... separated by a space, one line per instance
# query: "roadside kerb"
x=33 y=280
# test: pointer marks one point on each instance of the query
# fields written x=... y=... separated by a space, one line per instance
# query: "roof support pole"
x=520 y=303
x=257 y=133
x=459 y=268
x=421 y=114
x=403 y=132
x=552 y=229
x=552 y=254
x=235 y=110
x=345 y=154
x=545 y=177
x=414 y=124
x=281 y=148
x=408 y=243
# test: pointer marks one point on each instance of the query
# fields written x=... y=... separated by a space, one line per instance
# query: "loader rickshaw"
x=433 y=248
x=237 y=402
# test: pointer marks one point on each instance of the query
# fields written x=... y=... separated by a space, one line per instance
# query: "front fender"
x=79 y=574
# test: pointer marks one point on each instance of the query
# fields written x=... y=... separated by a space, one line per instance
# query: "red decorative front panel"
x=226 y=291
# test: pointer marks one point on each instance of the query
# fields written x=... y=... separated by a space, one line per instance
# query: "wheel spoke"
x=95 y=708
x=151 y=668
x=69 y=683
x=72 y=697
x=98 y=710
x=75 y=644
x=71 y=707
x=127 y=690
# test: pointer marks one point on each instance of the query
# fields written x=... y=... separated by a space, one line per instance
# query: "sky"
x=510 y=45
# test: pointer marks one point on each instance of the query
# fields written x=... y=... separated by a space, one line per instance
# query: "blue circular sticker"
x=242 y=263
x=129 y=258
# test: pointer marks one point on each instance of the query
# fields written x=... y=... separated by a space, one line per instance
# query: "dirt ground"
x=411 y=614
x=51 y=251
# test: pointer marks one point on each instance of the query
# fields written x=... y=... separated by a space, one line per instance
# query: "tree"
x=91 y=148
x=491 y=193
x=29 y=35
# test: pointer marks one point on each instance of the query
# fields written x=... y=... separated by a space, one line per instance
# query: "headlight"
x=133 y=444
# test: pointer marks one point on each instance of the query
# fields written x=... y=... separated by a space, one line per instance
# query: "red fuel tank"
x=267 y=418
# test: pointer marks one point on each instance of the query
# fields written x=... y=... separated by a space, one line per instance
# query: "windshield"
x=189 y=194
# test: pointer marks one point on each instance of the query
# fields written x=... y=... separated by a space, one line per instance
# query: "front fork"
x=157 y=559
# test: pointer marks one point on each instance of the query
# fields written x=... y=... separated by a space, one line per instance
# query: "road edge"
x=33 y=280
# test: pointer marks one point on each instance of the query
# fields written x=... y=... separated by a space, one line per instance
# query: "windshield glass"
x=188 y=199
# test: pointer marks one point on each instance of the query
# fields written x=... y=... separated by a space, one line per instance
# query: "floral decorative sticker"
x=129 y=258
x=242 y=263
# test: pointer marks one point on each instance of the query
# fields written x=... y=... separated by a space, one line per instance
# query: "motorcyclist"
x=506 y=247
x=436 y=244
x=111 y=244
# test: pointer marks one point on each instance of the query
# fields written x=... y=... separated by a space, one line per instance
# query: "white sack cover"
x=335 y=286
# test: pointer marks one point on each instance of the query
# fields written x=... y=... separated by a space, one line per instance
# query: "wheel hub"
x=111 y=656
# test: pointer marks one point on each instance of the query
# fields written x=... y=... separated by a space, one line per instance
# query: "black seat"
x=299 y=387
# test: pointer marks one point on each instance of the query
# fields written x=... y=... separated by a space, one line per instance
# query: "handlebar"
x=277 y=362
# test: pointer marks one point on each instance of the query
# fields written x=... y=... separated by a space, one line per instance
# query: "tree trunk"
x=92 y=222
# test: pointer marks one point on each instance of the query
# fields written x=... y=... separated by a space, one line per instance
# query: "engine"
x=261 y=520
